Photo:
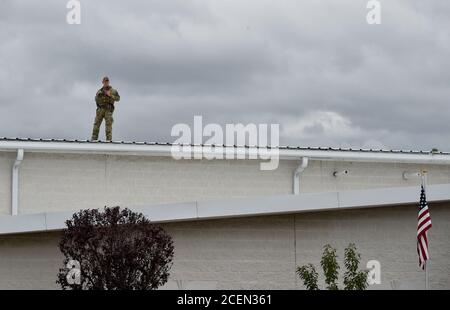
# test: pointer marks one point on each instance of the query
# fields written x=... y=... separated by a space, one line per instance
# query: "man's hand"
x=108 y=93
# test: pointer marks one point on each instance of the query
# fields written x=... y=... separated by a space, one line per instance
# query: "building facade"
x=234 y=225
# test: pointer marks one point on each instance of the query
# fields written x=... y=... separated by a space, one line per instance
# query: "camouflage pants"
x=100 y=115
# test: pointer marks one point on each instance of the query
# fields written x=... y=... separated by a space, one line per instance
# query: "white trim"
x=297 y=174
x=203 y=210
x=15 y=182
x=248 y=152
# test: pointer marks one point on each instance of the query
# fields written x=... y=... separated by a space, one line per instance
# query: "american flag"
x=423 y=225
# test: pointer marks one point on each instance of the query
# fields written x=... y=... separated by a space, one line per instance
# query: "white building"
x=234 y=225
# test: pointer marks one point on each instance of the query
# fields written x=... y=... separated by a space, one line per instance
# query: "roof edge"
x=243 y=207
x=215 y=151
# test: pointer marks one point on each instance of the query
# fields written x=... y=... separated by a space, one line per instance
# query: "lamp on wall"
x=340 y=173
x=411 y=175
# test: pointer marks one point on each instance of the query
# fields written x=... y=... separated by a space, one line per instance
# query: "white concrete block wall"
x=29 y=261
x=71 y=182
x=364 y=175
x=263 y=252
x=58 y=182
x=6 y=162
x=50 y=182
x=247 y=253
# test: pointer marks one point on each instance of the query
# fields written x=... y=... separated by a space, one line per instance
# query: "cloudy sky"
x=313 y=66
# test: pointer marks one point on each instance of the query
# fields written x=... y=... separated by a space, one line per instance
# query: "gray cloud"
x=315 y=67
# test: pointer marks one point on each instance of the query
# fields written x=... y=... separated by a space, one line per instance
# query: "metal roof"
x=283 y=147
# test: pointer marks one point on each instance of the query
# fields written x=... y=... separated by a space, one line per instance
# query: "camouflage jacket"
x=103 y=100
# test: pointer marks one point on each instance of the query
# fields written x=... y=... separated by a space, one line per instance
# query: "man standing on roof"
x=105 y=98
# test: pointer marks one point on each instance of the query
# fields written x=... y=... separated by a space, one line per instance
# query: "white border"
x=248 y=152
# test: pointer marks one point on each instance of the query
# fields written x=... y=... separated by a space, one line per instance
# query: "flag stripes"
x=423 y=225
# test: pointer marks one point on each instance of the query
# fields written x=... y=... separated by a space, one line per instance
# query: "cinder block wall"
x=6 y=163
x=263 y=252
x=58 y=182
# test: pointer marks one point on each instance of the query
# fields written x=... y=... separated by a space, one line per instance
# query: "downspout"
x=297 y=174
x=15 y=183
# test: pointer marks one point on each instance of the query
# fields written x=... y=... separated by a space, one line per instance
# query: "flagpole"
x=424 y=184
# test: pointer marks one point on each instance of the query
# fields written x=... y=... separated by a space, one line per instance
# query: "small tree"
x=309 y=276
x=114 y=249
x=354 y=279
x=330 y=267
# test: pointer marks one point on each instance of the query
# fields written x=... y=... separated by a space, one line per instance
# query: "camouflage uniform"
x=105 y=109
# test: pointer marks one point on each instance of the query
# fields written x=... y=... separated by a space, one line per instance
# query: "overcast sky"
x=313 y=66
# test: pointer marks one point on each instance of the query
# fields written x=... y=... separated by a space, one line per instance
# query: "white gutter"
x=248 y=152
x=297 y=173
x=15 y=183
